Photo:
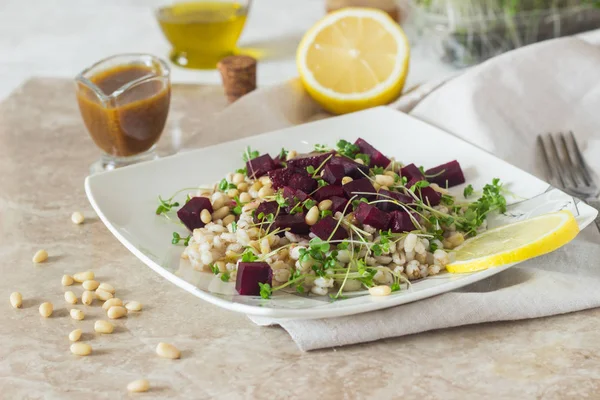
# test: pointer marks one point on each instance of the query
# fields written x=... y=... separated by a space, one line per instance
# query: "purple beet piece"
x=281 y=177
x=368 y=214
x=351 y=168
x=278 y=162
x=249 y=275
x=400 y=221
x=302 y=182
x=189 y=214
x=377 y=158
x=313 y=159
x=411 y=171
x=326 y=192
x=360 y=186
x=293 y=197
x=333 y=174
x=259 y=166
x=339 y=204
x=412 y=182
x=265 y=208
x=429 y=196
x=324 y=228
x=294 y=222
x=387 y=206
x=446 y=175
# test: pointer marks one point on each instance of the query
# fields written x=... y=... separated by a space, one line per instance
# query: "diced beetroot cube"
x=386 y=204
x=294 y=222
x=339 y=204
x=367 y=214
x=266 y=208
x=281 y=177
x=293 y=197
x=302 y=182
x=189 y=214
x=327 y=192
x=446 y=175
x=429 y=196
x=259 y=166
x=333 y=174
x=313 y=159
x=359 y=187
x=377 y=158
x=278 y=161
x=328 y=225
x=413 y=182
x=351 y=168
x=411 y=171
x=400 y=221
x=249 y=275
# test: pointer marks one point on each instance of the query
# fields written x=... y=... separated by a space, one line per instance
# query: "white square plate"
x=126 y=199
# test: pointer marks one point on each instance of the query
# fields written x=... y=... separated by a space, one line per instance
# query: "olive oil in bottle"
x=202 y=32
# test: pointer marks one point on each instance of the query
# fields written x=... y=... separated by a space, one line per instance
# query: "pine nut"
x=116 y=312
x=107 y=287
x=205 y=216
x=88 y=297
x=112 y=302
x=291 y=154
x=77 y=218
x=265 y=180
x=228 y=219
x=70 y=297
x=75 y=335
x=346 y=179
x=245 y=198
x=77 y=314
x=312 y=216
x=167 y=350
x=325 y=205
x=134 y=306
x=233 y=193
x=384 y=180
x=390 y=173
x=40 y=256
x=16 y=300
x=81 y=277
x=382 y=290
x=243 y=187
x=218 y=203
x=237 y=178
x=67 y=280
x=250 y=206
x=141 y=385
x=90 y=285
x=359 y=161
x=265 y=191
x=46 y=309
x=81 y=349
x=220 y=213
x=103 y=295
x=256 y=186
x=101 y=326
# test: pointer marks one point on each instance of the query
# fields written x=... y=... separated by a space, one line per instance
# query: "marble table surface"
x=44 y=157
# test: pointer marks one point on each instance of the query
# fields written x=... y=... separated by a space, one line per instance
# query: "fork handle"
x=596 y=204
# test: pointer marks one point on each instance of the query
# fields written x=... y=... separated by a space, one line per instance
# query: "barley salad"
x=336 y=221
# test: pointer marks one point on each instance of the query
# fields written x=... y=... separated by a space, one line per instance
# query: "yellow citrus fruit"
x=353 y=59
x=515 y=242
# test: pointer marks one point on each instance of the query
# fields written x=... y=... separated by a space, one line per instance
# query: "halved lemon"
x=353 y=59
x=515 y=242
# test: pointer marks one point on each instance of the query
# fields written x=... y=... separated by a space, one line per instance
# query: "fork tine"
x=547 y=163
x=559 y=166
x=574 y=171
x=580 y=162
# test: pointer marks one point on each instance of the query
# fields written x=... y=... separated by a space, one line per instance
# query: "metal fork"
x=566 y=168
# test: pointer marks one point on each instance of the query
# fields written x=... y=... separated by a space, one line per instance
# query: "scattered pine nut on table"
x=67 y=280
x=75 y=335
x=134 y=306
x=16 y=299
x=166 y=350
x=138 y=386
x=81 y=349
x=112 y=302
x=40 y=256
x=46 y=309
x=77 y=218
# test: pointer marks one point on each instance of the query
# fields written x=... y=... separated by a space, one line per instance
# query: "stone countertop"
x=44 y=158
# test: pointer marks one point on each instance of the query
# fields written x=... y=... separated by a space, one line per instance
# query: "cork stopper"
x=239 y=76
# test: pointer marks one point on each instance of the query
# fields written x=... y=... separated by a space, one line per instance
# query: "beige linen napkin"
x=499 y=106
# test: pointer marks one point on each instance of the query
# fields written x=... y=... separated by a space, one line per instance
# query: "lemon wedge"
x=515 y=242
x=353 y=59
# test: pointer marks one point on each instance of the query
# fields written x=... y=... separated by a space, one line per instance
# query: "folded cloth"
x=500 y=106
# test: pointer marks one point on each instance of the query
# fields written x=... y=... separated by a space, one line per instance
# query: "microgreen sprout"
x=177 y=238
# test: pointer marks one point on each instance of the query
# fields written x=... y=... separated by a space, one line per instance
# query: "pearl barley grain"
x=67 y=280
x=77 y=314
x=382 y=290
x=40 y=256
x=77 y=218
x=46 y=309
x=75 y=335
x=81 y=349
x=134 y=306
x=88 y=297
x=141 y=385
x=167 y=350
x=16 y=300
